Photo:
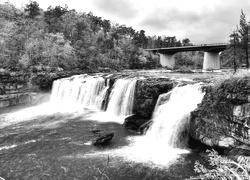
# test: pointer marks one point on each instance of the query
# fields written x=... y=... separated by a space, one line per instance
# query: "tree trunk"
x=247 y=61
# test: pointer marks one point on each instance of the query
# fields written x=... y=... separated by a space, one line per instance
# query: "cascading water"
x=48 y=126
x=122 y=97
x=164 y=141
x=89 y=91
x=69 y=96
x=172 y=118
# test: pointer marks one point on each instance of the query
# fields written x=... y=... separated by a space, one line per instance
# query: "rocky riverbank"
x=19 y=88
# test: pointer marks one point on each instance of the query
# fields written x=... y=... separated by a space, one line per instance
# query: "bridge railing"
x=211 y=44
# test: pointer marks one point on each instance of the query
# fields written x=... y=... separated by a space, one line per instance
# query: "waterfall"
x=122 y=97
x=89 y=91
x=93 y=91
x=164 y=142
x=171 y=118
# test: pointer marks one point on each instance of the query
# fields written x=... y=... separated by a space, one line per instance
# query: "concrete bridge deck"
x=211 y=56
x=218 y=47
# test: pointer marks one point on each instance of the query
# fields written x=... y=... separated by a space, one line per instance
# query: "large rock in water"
x=103 y=139
x=223 y=117
x=147 y=92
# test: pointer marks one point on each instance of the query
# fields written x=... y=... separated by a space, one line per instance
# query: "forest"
x=60 y=38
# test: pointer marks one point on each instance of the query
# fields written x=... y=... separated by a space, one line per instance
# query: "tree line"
x=237 y=53
x=61 y=38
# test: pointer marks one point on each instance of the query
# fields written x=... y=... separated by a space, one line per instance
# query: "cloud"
x=117 y=8
x=200 y=21
x=202 y=25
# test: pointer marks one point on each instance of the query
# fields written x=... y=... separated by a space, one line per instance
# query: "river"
x=54 y=141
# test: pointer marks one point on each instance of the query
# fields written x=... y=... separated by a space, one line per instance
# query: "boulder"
x=104 y=139
x=147 y=92
x=136 y=123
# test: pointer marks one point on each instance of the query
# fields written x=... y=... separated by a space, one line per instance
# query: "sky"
x=202 y=21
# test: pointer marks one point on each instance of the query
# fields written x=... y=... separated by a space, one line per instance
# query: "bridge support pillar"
x=167 y=60
x=211 y=61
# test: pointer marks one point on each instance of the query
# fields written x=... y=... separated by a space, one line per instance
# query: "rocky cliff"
x=147 y=92
x=26 y=87
x=223 y=117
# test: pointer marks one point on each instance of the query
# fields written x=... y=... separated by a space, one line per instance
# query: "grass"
x=241 y=73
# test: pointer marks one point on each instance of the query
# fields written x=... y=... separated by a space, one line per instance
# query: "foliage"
x=60 y=37
x=189 y=59
x=223 y=168
x=240 y=74
x=32 y=10
x=238 y=51
x=244 y=35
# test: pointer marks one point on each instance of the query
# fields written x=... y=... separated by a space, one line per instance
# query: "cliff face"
x=147 y=92
x=223 y=117
x=25 y=88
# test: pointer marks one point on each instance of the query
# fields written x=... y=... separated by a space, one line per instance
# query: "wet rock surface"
x=103 y=139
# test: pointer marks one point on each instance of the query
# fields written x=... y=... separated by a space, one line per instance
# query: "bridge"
x=211 y=55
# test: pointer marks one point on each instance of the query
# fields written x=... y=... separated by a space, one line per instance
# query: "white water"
x=71 y=95
x=164 y=143
x=172 y=118
x=89 y=91
x=122 y=97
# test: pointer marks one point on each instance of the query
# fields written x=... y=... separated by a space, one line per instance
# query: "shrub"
x=184 y=69
x=223 y=168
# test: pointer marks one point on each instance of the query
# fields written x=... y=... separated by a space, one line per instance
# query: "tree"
x=9 y=12
x=53 y=17
x=49 y=50
x=244 y=35
x=234 y=43
x=140 y=39
x=186 y=42
x=32 y=10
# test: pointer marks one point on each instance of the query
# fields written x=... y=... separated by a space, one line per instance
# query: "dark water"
x=56 y=146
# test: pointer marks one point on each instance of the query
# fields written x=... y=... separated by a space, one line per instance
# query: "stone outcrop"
x=223 y=117
x=24 y=87
x=147 y=92
x=13 y=82
x=22 y=98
